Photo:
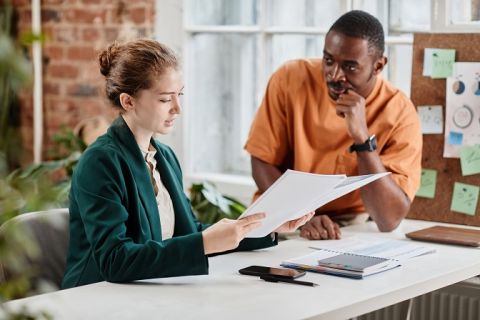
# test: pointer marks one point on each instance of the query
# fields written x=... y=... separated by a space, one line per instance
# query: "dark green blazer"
x=115 y=232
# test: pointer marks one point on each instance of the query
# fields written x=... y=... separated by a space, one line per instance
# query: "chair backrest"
x=50 y=232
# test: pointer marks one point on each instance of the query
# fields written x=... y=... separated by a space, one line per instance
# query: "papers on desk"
x=297 y=193
x=357 y=257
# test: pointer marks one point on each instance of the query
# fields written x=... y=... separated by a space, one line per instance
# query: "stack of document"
x=357 y=257
x=341 y=263
x=297 y=193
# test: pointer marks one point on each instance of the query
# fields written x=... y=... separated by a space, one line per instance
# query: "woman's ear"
x=126 y=101
x=380 y=64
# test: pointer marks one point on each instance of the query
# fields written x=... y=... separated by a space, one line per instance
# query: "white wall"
x=169 y=31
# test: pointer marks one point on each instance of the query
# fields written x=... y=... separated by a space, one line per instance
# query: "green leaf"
x=28 y=38
x=210 y=205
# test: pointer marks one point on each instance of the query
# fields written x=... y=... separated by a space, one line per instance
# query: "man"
x=336 y=115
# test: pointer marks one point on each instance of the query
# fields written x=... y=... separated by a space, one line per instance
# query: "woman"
x=129 y=216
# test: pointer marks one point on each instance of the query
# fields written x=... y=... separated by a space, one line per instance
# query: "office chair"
x=49 y=230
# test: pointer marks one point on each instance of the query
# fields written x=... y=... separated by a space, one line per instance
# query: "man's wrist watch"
x=369 y=145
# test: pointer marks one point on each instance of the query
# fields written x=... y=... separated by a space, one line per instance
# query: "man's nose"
x=337 y=74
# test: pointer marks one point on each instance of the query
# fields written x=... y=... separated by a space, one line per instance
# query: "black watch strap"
x=369 y=145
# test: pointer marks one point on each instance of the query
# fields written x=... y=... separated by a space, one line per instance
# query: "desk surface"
x=225 y=294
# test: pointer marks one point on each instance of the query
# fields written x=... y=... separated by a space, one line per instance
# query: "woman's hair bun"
x=107 y=58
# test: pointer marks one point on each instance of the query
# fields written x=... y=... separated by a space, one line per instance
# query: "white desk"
x=224 y=294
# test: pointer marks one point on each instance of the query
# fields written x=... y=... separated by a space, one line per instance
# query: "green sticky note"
x=442 y=63
x=470 y=159
x=465 y=197
x=428 y=183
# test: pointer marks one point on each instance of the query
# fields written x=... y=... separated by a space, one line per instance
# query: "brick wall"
x=76 y=30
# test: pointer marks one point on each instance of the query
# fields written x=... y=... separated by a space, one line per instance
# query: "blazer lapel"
x=134 y=157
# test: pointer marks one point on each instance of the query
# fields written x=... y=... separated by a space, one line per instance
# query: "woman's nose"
x=177 y=107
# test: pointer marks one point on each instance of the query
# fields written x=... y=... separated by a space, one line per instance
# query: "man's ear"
x=379 y=65
x=126 y=101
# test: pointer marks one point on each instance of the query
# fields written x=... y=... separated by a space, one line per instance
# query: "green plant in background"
x=40 y=186
x=34 y=188
x=15 y=70
x=21 y=191
x=37 y=187
x=66 y=143
x=210 y=206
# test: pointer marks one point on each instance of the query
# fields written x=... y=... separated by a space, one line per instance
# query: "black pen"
x=277 y=279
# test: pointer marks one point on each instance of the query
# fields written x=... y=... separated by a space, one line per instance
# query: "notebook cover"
x=353 y=262
x=450 y=235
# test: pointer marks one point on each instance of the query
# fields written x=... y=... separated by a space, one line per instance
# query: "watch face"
x=369 y=145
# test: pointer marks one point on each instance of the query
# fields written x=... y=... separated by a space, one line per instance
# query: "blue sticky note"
x=455 y=138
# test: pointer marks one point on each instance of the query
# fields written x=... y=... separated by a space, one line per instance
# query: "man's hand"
x=293 y=225
x=351 y=106
x=321 y=228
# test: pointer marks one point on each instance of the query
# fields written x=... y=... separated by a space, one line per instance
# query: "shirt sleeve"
x=268 y=138
x=402 y=154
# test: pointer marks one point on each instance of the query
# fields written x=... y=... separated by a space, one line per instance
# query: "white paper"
x=431 y=119
x=427 y=61
x=395 y=250
x=346 y=186
x=296 y=193
x=377 y=247
x=462 y=125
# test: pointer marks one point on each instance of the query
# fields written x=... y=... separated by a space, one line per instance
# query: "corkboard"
x=427 y=91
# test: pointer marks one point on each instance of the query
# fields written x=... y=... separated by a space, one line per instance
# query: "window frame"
x=440 y=19
x=241 y=185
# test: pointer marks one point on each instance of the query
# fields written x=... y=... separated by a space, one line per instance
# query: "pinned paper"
x=427 y=62
x=470 y=160
x=462 y=108
x=455 y=138
x=431 y=119
x=465 y=197
x=438 y=63
x=428 y=184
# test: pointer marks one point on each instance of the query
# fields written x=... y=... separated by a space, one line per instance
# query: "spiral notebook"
x=355 y=262
x=341 y=264
x=357 y=256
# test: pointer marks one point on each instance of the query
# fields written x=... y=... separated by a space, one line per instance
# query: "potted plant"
x=209 y=205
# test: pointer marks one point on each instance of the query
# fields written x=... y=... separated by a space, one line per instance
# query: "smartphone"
x=277 y=272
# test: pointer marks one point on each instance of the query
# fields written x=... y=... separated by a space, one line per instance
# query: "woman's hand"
x=321 y=228
x=226 y=234
x=293 y=225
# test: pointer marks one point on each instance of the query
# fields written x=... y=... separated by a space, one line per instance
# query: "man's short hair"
x=360 y=24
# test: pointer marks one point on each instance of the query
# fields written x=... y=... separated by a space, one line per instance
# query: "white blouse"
x=164 y=202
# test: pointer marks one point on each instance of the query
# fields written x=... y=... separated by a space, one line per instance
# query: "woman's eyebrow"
x=171 y=92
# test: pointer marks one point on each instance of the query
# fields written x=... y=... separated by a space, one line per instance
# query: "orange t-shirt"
x=297 y=127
